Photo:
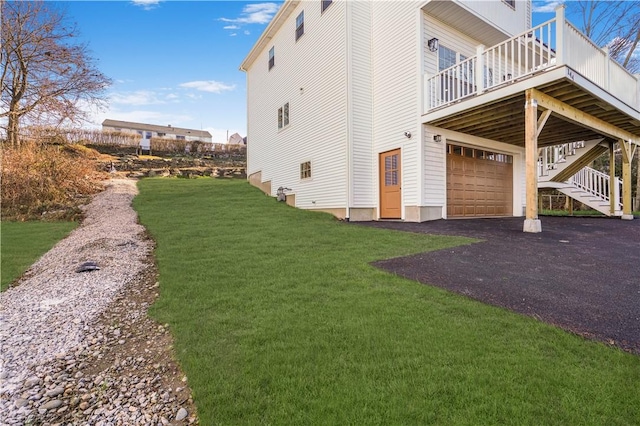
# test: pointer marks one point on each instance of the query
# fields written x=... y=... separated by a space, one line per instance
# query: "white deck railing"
x=597 y=184
x=536 y=50
x=551 y=156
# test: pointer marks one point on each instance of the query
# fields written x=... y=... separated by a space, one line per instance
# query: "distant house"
x=148 y=131
x=236 y=139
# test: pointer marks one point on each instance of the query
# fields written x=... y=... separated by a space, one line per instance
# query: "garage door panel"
x=478 y=185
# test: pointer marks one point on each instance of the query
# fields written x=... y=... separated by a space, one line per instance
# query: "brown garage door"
x=479 y=182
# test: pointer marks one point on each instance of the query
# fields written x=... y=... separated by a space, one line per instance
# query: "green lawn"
x=279 y=319
x=22 y=243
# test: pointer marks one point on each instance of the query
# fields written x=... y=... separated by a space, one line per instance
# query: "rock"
x=31 y=382
x=52 y=404
x=21 y=402
x=55 y=392
x=182 y=414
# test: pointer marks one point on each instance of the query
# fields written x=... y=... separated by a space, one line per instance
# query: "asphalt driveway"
x=581 y=274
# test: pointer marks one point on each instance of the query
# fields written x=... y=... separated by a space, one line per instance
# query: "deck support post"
x=531 y=222
x=628 y=150
x=612 y=177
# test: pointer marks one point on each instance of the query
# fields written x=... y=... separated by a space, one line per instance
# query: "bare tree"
x=614 y=24
x=46 y=77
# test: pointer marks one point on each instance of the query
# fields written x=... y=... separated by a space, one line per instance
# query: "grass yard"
x=24 y=242
x=279 y=319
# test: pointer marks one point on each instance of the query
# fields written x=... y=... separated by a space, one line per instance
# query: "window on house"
x=305 y=170
x=326 y=4
x=160 y=134
x=272 y=58
x=458 y=81
x=300 y=25
x=286 y=114
x=283 y=116
x=511 y=3
x=446 y=58
x=180 y=137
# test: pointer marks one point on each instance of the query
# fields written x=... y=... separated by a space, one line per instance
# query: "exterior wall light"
x=437 y=138
x=407 y=135
x=433 y=44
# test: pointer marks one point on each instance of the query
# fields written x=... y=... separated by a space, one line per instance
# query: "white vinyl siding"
x=363 y=169
x=435 y=169
x=395 y=53
x=448 y=38
x=501 y=15
x=315 y=91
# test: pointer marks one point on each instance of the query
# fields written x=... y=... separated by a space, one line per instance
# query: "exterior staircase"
x=564 y=168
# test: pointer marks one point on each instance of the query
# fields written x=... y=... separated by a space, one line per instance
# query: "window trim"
x=300 y=25
x=325 y=5
x=510 y=3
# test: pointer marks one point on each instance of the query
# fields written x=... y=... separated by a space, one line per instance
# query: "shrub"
x=47 y=180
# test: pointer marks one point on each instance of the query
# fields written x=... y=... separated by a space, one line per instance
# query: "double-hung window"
x=283 y=116
x=305 y=170
x=272 y=58
x=300 y=25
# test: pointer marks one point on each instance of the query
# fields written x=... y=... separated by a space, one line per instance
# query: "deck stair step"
x=591 y=188
x=559 y=163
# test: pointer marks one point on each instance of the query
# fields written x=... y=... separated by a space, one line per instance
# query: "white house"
x=236 y=139
x=148 y=131
x=422 y=110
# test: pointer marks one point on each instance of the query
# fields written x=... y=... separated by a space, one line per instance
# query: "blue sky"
x=173 y=62
x=176 y=62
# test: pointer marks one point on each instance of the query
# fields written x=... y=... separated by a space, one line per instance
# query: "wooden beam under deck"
x=502 y=119
x=581 y=118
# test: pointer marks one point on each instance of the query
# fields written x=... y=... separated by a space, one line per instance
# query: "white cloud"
x=256 y=13
x=210 y=86
x=546 y=6
x=247 y=32
x=139 y=97
x=231 y=27
x=233 y=34
x=146 y=4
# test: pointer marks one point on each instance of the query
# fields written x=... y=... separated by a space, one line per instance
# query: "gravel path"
x=77 y=347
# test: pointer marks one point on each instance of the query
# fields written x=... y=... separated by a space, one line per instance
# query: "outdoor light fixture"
x=433 y=44
x=407 y=135
x=437 y=138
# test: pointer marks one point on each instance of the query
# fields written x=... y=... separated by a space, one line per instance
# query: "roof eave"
x=273 y=27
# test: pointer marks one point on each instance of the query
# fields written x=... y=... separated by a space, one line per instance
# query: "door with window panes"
x=390 y=189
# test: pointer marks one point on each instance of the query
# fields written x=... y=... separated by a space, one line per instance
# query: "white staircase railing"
x=597 y=184
x=551 y=156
